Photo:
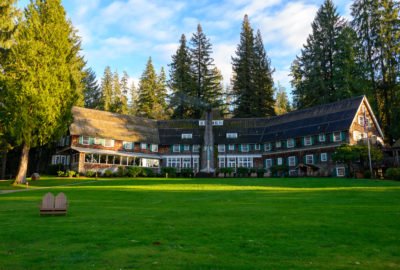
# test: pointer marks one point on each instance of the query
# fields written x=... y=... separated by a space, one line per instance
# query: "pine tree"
x=282 y=104
x=107 y=90
x=263 y=100
x=124 y=93
x=322 y=73
x=161 y=95
x=181 y=82
x=243 y=71
x=147 y=102
x=116 y=93
x=91 y=92
x=45 y=82
x=205 y=79
x=134 y=99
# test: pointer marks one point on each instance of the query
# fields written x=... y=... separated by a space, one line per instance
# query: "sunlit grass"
x=160 y=223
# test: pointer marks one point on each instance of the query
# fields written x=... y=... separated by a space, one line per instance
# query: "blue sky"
x=124 y=33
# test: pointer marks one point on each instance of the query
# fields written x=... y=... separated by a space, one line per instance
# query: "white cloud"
x=222 y=58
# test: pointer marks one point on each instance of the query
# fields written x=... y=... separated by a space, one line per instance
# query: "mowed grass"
x=205 y=224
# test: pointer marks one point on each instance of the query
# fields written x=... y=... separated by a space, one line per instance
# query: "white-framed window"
x=187 y=135
x=307 y=140
x=340 y=171
x=267 y=147
x=98 y=140
x=321 y=138
x=196 y=163
x=127 y=145
x=202 y=122
x=231 y=135
x=186 y=162
x=279 y=161
x=290 y=143
x=361 y=120
x=357 y=135
x=85 y=140
x=268 y=163
x=337 y=137
x=217 y=122
x=174 y=162
x=309 y=159
x=257 y=147
x=108 y=143
x=221 y=162
x=369 y=122
x=245 y=162
x=176 y=148
x=278 y=144
x=221 y=148
x=231 y=162
x=154 y=148
x=292 y=161
x=231 y=147
x=324 y=157
x=143 y=146
x=196 y=148
x=245 y=147
x=186 y=147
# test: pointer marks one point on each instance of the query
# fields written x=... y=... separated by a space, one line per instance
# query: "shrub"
x=54 y=169
x=367 y=174
x=108 y=173
x=243 y=172
x=60 y=173
x=226 y=171
x=90 y=173
x=393 y=173
x=147 y=172
x=187 y=172
x=121 y=171
x=168 y=171
x=132 y=171
x=260 y=172
x=70 y=173
x=279 y=170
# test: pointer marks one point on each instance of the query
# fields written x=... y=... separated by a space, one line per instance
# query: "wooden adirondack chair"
x=54 y=206
x=47 y=206
x=61 y=204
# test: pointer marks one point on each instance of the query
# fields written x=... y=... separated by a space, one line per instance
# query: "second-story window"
x=257 y=147
x=245 y=147
x=337 y=137
x=187 y=135
x=290 y=143
x=231 y=147
x=108 y=143
x=196 y=148
x=143 y=146
x=127 y=145
x=267 y=147
x=176 y=148
x=186 y=147
x=154 y=148
x=221 y=148
x=85 y=140
x=309 y=159
x=321 y=137
x=278 y=144
x=307 y=140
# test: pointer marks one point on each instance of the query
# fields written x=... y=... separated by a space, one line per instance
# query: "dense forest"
x=43 y=73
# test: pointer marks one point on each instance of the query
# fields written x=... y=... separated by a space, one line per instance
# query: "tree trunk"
x=3 y=164
x=23 y=166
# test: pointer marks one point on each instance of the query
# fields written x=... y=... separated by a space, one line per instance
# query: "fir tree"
x=134 y=99
x=282 y=104
x=205 y=79
x=147 y=102
x=181 y=82
x=116 y=93
x=263 y=98
x=91 y=92
x=243 y=71
x=107 y=90
x=45 y=82
x=124 y=93
x=161 y=95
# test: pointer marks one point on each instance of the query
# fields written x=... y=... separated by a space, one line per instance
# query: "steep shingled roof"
x=103 y=124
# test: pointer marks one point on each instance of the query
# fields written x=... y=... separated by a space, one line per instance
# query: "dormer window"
x=321 y=137
x=231 y=135
x=127 y=145
x=108 y=143
x=176 y=148
x=218 y=122
x=278 y=144
x=267 y=147
x=202 y=122
x=154 y=148
x=307 y=141
x=290 y=143
x=143 y=146
x=337 y=137
x=187 y=135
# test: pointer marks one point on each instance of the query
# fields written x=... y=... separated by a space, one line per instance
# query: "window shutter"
x=331 y=137
x=312 y=140
x=91 y=140
x=240 y=148
x=302 y=141
x=80 y=139
x=296 y=160
x=343 y=135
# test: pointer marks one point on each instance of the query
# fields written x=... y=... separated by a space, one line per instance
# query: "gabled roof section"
x=95 y=123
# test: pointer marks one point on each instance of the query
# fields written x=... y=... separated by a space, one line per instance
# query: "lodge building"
x=303 y=140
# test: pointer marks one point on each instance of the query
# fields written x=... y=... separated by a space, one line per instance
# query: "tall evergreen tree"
x=243 y=71
x=205 y=79
x=91 y=92
x=134 y=99
x=116 y=93
x=107 y=90
x=46 y=80
x=263 y=83
x=147 y=102
x=161 y=95
x=181 y=82
x=124 y=92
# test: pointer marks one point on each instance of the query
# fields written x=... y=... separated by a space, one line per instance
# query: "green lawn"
x=204 y=224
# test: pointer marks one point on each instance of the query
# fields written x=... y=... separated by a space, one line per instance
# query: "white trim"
x=341 y=168
x=244 y=155
x=187 y=135
x=370 y=112
x=302 y=149
x=180 y=156
x=232 y=135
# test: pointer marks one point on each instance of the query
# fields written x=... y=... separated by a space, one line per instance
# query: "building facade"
x=303 y=140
